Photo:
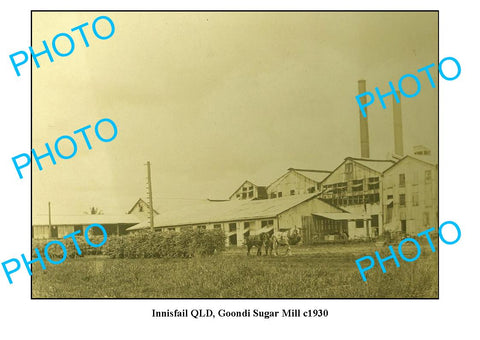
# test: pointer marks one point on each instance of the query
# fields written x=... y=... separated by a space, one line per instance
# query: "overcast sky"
x=212 y=99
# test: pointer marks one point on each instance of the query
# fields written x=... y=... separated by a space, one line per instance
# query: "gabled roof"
x=246 y=181
x=85 y=219
x=165 y=204
x=411 y=157
x=138 y=202
x=315 y=175
x=228 y=211
x=378 y=165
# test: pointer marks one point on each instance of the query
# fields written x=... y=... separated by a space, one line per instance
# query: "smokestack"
x=397 y=126
x=364 y=143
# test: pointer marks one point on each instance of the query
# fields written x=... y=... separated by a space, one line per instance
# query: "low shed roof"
x=85 y=219
x=212 y=212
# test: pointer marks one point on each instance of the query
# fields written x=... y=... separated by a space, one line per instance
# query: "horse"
x=282 y=238
x=256 y=241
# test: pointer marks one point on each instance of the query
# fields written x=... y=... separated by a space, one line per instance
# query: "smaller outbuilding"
x=62 y=225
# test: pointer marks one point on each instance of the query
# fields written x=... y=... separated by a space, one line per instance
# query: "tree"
x=93 y=210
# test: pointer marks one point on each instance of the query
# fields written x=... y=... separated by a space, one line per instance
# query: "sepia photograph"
x=235 y=154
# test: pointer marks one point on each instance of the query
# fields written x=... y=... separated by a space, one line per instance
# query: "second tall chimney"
x=397 y=126
x=364 y=143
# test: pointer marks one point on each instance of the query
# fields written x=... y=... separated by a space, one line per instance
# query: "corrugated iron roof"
x=377 y=165
x=342 y=216
x=85 y=219
x=316 y=175
x=212 y=212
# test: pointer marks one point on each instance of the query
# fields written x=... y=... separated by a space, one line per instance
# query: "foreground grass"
x=312 y=272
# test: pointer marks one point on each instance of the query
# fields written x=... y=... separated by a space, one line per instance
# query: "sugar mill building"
x=410 y=196
x=237 y=218
x=297 y=182
x=356 y=186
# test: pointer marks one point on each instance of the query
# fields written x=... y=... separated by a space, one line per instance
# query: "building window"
x=273 y=195
x=244 y=188
x=250 y=194
x=239 y=195
x=171 y=229
x=251 y=188
x=279 y=194
x=311 y=190
x=402 y=200
x=217 y=226
x=373 y=183
x=232 y=227
x=292 y=192
x=426 y=218
x=246 y=225
x=428 y=176
x=357 y=185
x=374 y=220
x=348 y=168
x=244 y=195
x=201 y=227
x=401 y=180
x=415 y=199
x=140 y=208
x=359 y=224
x=267 y=223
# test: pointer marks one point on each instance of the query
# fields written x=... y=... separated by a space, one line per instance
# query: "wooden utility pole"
x=150 y=199
x=49 y=221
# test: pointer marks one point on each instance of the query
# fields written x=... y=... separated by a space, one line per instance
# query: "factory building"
x=410 y=196
x=297 y=182
x=356 y=186
x=239 y=218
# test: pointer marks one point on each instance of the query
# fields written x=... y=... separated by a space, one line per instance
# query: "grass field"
x=327 y=271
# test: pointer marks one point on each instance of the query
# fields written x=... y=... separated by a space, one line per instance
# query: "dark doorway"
x=404 y=226
x=232 y=240
x=54 y=232
x=375 y=231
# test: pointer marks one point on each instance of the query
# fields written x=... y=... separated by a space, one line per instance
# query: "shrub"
x=147 y=244
x=56 y=252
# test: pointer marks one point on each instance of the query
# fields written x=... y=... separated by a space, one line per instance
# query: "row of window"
x=231 y=226
x=389 y=214
x=280 y=194
x=354 y=200
x=244 y=195
x=415 y=200
x=428 y=178
x=373 y=183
